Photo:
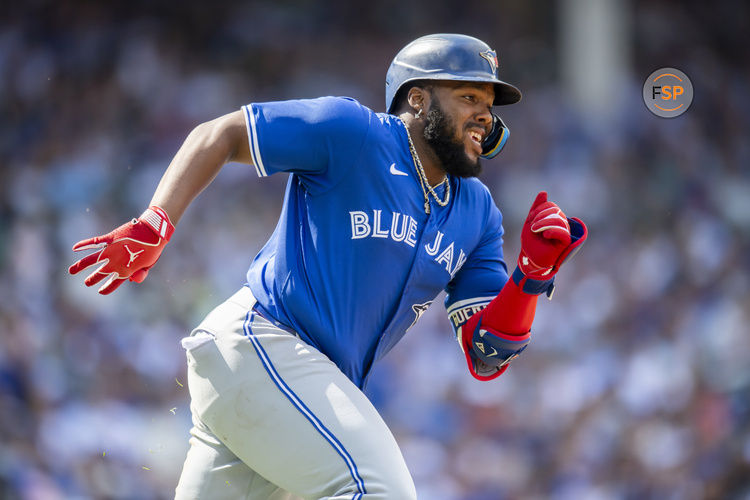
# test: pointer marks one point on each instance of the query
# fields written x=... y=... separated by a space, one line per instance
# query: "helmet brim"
x=505 y=93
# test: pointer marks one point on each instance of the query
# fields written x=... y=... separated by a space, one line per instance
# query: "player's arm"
x=208 y=147
x=129 y=251
x=494 y=336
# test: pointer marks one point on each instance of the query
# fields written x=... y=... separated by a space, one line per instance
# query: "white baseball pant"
x=274 y=418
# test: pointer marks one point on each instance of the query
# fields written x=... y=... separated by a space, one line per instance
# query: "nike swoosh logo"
x=396 y=171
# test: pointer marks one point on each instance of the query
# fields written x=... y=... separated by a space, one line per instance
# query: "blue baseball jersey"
x=354 y=259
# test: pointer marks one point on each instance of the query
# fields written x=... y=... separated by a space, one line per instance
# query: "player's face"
x=457 y=122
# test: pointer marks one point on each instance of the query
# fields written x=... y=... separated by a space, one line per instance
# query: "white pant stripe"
x=283 y=387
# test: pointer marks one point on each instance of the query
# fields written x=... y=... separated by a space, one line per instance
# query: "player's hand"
x=548 y=239
x=128 y=252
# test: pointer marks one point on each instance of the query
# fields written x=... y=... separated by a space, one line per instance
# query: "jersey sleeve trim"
x=460 y=311
x=252 y=136
x=473 y=302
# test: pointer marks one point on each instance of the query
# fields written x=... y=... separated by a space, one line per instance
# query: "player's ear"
x=418 y=99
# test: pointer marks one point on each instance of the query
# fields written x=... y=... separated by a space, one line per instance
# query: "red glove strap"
x=158 y=219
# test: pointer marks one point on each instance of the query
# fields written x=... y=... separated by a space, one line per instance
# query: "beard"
x=439 y=134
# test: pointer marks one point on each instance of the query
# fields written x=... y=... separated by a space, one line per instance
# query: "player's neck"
x=433 y=168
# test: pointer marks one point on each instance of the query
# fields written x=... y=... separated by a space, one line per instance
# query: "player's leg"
x=290 y=414
x=211 y=470
x=303 y=425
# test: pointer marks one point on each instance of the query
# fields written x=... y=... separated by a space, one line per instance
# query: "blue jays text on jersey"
x=354 y=259
x=405 y=232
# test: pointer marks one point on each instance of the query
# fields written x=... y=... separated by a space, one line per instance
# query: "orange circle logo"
x=668 y=92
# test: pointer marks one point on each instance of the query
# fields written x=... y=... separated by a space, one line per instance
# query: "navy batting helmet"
x=446 y=56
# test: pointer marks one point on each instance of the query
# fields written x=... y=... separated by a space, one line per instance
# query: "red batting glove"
x=548 y=239
x=128 y=252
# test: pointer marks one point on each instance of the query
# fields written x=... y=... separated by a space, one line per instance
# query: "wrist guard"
x=488 y=352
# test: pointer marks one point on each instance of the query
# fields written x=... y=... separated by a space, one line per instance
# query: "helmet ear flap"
x=496 y=139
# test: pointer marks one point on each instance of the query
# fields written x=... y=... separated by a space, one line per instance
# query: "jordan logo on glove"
x=133 y=255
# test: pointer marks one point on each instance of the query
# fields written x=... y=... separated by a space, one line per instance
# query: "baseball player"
x=382 y=212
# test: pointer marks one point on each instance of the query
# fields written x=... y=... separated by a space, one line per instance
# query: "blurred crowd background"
x=637 y=382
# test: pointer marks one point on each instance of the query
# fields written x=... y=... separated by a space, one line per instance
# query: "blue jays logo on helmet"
x=491 y=57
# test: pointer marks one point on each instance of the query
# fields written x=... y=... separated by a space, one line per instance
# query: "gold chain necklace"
x=425 y=185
